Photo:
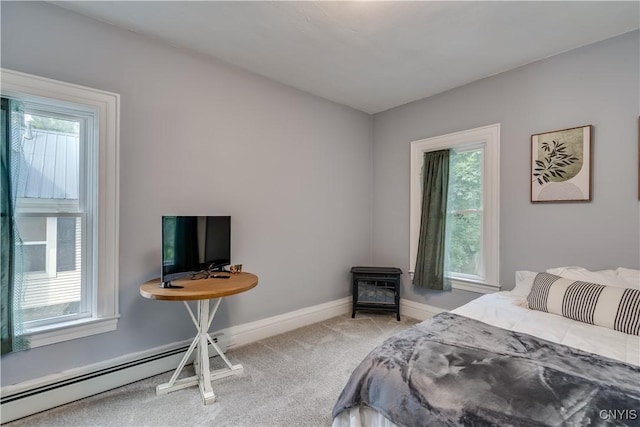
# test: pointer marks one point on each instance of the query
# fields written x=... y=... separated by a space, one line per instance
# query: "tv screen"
x=194 y=243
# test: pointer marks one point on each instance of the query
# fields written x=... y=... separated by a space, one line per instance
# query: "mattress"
x=508 y=311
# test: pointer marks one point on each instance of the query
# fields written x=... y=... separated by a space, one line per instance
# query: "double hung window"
x=53 y=214
x=465 y=214
x=472 y=227
x=64 y=178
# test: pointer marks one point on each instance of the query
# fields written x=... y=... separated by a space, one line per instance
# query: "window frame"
x=489 y=138
x=105 y=108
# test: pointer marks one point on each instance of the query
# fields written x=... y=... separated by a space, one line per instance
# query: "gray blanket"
x=452 y=370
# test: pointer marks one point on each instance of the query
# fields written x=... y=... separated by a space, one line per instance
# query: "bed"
x=500 y=360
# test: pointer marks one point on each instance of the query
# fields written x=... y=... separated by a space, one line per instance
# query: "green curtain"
x=6 y=236
x=429 y=271
x=10 y=258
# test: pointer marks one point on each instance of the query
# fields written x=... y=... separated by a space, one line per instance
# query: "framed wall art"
x=561 y=165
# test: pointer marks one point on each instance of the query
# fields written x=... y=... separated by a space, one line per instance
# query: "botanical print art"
x=560 y=165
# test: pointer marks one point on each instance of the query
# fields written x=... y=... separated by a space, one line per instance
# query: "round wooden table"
x=204 y=291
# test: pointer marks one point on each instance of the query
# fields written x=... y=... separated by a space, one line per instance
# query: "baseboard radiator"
x=45 y=393
x=24 y=399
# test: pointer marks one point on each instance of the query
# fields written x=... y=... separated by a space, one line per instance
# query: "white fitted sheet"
x=507 y=311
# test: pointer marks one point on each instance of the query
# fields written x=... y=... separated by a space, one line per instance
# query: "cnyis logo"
x=618 y=414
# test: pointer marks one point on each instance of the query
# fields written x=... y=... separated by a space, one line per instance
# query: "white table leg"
x=196 y=359
x=208 y=396
x=203 y=376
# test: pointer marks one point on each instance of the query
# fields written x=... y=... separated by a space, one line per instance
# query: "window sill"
x=60 y=332
x=464 y=285
x=477 y=287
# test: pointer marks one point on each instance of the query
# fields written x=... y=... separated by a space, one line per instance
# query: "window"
x=53 y=213
x=66 y=214
x=465 y=214
x=472 y=223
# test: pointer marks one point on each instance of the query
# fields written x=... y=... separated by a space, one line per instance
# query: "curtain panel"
x=11 y=328
x=429 y=270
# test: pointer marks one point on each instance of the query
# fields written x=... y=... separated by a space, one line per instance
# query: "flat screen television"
x=191 y=244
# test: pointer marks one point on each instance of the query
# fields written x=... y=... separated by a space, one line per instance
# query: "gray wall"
x=201 y=137
x=595 y=85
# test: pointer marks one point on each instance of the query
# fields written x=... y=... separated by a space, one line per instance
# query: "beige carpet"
x=291 y=379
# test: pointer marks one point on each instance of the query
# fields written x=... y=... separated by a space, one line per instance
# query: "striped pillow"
x=608 y=306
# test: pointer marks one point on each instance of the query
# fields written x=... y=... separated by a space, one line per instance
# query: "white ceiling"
x=372 y=55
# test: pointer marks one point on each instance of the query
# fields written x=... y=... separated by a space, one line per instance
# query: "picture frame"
x=561 y=165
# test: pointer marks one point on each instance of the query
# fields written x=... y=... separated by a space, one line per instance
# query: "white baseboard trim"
x=264 y=328
x=30 y=397
x=418 y=310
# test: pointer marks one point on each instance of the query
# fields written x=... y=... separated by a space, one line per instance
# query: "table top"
x=199 y=289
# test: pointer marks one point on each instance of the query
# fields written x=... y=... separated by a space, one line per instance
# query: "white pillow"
x=524 y=282
x=593 y=303
x=604 y=277
x=630 y=276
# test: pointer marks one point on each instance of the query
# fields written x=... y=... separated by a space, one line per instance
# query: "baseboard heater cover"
x=70 y=381
x=55 y=393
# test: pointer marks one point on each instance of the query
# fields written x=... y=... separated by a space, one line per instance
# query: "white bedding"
x=508 y=311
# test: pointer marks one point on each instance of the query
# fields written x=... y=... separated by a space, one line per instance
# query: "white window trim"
x=106 y=106
x=489 y=136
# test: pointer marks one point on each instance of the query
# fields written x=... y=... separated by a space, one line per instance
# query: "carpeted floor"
x=291 y=379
